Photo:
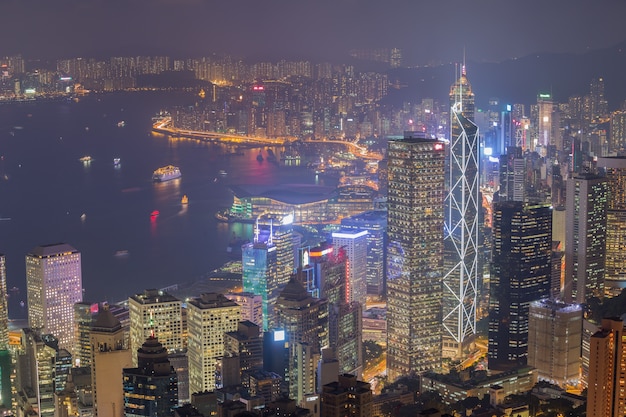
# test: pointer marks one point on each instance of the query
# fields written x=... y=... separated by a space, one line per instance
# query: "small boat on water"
x=85 y=159
x=154 y=214
x=166 y=173
x=184 y=200
x=259 y=157
x=121 y=123
x=223 y=173
x=116 y=161
x=121 y=253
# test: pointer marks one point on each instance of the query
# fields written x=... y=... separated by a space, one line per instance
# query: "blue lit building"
x=259 y=263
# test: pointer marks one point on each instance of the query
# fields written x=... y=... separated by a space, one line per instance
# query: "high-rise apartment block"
x=414 y=254
x=585 y=247
x=209 y=317
x=460 y=280
x=251 y=306
x=606 y=396
x=554 y=341
x=53 y=286
x=155 y=313
x=615 y=269
x=347 y=393
x=512 y=175
x=520 y=274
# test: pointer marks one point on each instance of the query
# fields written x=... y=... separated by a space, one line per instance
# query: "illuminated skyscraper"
x=554 y=341
x=53 y=286
x=512 y=175
x=158 y=314
x=460 y=282
x=355 y=245
x=618 y=131
x=585 y=247
x=615 y=269
x=607 y=371
x=4 y=308
x=208 y=318
x=520 y=274
x=414 y=255
x=543 y=124
x=150 y=389
x=84 y=316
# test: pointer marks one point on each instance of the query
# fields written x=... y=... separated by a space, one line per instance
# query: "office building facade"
x=520 y=274
x=585 y=234
x=414 y=255
x=460 y=281
x=53 y=286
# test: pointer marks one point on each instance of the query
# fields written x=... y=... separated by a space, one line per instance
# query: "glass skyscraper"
x=460 y=283
x=520 y=274
x=414 y=254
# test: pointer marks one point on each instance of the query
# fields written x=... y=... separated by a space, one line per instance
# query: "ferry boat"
x=184 y=200
x=116 y=161
x=166 y=173
x=85 y=159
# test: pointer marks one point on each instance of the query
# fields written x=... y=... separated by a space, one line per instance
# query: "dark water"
x=50 y=196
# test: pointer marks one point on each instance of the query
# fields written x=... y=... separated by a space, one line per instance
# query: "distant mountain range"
x=520 y=80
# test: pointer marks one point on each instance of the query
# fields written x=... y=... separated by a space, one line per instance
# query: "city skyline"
x=312 y=30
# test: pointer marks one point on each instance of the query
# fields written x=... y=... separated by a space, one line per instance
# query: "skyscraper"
x=158 y=314
x=615 y=269
x=512 y=175
x=150 y=389
x=4 y=308
x=520 y=274
x=607 y=371
x=585 y=247
x=355 y=245
x=53 y=286
x=208 y=318
x=460 y=281
x=109 y=356
x=375 y=222
x=554 y=341
x=414 y=254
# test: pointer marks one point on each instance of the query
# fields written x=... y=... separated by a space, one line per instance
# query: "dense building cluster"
x=510 y=218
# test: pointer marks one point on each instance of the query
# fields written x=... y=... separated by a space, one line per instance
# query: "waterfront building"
x=460 y=280
x=110 y=354
x=150 y=389
x=307 y=203
x=4 y=308
x=607 y=371
x=260 y=269
x=615 y=269
x=348 y=393
x=585 y=233
x=354 y=243
x=554 y=341
x=414 y=255
x=375 y=223
x=208 y=318
x=158 y=314
x=520 y=274
x=53 y=286
x=251 y=306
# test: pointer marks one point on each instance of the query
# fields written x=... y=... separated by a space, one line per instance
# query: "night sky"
x=427 y=31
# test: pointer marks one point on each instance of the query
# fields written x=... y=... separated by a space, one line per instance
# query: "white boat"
x=166 y=173
x=85 y=159
x=116 y=161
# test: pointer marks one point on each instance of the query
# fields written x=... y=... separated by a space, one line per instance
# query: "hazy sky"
x=427 y=31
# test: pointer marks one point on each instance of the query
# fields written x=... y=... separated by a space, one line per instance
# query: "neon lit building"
x=53 y=285
x=414 y=254
x=355 y=245
x=460 y=282
x=260 y=276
